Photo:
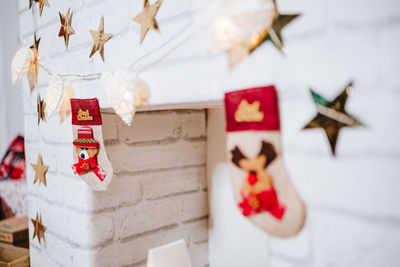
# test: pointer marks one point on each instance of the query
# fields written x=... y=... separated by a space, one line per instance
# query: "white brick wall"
x=353 y=216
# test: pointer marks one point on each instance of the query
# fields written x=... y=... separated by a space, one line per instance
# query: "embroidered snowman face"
x=86 y=153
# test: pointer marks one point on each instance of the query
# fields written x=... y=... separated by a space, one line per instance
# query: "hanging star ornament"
x=31 y=2
x=66 y=29
x=274 y=34
x=40 y=171
x=39 y=228
x=99 y=39
x=147 y=18
x=34 y=64
x=42 y=3
x=332 y=116
x=41 y=106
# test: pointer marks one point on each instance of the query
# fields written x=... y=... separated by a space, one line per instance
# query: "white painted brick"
x=60 y=251
x=344 y=239
x=194 y=205
x=64 y=156
x=145 y=216
x=193 y=124
x=129 y=252
x=313 y=17
x=109 y=127
x=30 y=122
x=55 y=132
x=367 y=12
x=123 y=191
x=199 y=254
x=389 y=65
x=38 y=257
x=197 y=231
x=168 y=156
x=149 y=126
x=85 y=230
x=164 y=183
x=77 y=194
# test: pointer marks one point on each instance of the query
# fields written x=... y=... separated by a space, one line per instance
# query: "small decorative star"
x=42 y=3
x=66 y=29
x=40 y=171
x=41 y=106
x=274 y=34
x=147 y=18
x=34 y=64
x=99 y=38
x=39 y=228
x=332 y=116
x=31 y=2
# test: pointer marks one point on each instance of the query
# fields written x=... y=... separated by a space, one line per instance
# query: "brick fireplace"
x=158 y=193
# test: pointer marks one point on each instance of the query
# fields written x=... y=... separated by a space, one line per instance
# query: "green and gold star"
x=332 y=116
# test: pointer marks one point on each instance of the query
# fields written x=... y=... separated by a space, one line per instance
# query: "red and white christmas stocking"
x=91 y=162
x=261 y=185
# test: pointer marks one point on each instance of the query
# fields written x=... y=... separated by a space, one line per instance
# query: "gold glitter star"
x=39 y=228
x=99 y=38
x=147 y=18
x=40 y=171
x=41 y=105
x=66 y=29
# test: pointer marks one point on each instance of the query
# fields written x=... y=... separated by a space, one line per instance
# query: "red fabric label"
x=252 y=109
x=85 y=111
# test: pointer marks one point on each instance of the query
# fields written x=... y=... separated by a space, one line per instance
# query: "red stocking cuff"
x=252 y=109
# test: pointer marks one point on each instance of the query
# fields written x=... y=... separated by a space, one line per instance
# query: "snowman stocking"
x=92 y=164
x=262 y=188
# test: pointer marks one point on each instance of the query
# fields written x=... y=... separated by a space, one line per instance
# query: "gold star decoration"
x=42 y=3
x=66 y=29
x=40 y=171
x=31 y=2
x=99 y=39
x=39 y=228
x=274 y=34
x=41 y=106
x=147 y=18
x=34 y=65
x=332 y=116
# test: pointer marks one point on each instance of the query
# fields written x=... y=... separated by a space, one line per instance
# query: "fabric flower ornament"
x=119 y=89
x=20 y=63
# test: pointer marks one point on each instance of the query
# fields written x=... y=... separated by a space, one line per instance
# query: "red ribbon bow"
x=92 y=162
x=266 y=200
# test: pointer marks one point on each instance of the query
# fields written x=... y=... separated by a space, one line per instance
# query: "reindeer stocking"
x=262 y=188
x=92 y=164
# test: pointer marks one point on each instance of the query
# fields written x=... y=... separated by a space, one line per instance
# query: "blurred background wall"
x=11 y=108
